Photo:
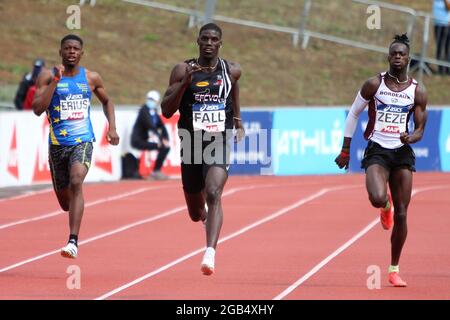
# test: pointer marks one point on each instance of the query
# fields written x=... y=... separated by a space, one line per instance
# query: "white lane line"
x=231 y=236
x=342 y=248
x=87 y=205
x=126 y=227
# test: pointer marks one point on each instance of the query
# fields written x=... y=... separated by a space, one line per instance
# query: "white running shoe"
x=208 y=261
x=69 y=251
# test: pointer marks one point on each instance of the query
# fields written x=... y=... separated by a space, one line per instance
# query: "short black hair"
x=403 y=39
x=211 y=26
x=72 y=37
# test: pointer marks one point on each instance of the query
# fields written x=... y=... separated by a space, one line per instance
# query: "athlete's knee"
x=378 y=199
x=213 y=194
x=400 y=215
x=76 y=181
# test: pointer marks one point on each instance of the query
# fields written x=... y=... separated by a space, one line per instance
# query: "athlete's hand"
x=343 y=159
x=240 y=134
x=58 y=72
x=240 y=131
x=190 y=69
x=405 y=137
x=112 y=137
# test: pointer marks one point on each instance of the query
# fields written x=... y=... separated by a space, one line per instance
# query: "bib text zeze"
x=391 y=119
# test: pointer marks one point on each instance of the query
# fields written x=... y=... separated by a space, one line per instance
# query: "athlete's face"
x=209 y=42
x=398 y=56
x=71 y=53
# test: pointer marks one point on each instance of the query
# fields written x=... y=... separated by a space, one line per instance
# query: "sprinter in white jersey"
x=393 y=97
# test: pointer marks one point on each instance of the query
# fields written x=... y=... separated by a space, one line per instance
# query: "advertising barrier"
x=306 y=141
x=285 y=141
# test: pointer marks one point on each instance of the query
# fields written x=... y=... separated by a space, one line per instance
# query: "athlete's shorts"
x=61 y=159
x=199 y=152
x=391 y=159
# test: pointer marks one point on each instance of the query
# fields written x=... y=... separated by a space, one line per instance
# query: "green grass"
x=134 y=48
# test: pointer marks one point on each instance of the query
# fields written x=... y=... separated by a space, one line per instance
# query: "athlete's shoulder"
x=235 y=69
x=91 y=73
x=421 y=95
x=44 y=78
x=178 y=71
x=375 y=81
x=370 y=87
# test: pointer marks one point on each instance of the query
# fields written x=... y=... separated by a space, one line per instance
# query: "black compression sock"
x=74 y=239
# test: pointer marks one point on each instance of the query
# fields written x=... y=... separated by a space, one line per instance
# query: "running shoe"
x=69 y=251
x=387 y=217
x=395 y=280
x=208 y=263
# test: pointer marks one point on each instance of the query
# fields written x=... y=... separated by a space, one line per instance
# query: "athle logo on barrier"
x=41 y=172
x=103 y=157
x=13 y=158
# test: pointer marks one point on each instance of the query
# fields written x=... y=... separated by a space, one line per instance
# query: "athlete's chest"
x=206 y=85
x=73 y=101
x=393 y=109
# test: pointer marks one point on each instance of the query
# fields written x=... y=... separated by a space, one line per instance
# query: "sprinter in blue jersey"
x=65 y=96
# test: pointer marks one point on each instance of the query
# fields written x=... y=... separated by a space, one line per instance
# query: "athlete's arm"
x=447 y=4
x=366 y=93
x=45 y=87
x=420 y=117
x=235 y=70
x=108 y=106
x=180 y=79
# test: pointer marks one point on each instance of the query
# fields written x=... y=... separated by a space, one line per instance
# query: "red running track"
x=308 y=237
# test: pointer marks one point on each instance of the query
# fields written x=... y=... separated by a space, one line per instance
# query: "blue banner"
x=359 y=143
x=252 y=154
x=444 y=140
x=427 y=149
x=306 y=141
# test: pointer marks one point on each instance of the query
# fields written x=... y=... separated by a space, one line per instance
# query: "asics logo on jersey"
x=392 y=109
x=74 y=96
x=210 y=108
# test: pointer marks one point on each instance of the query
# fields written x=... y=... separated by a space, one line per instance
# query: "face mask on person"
x=151 y=104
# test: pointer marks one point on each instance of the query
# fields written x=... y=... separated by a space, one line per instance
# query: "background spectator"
x=21 y=101
x=149 y=133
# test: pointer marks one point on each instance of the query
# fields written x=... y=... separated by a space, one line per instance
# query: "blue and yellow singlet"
x=69 y=111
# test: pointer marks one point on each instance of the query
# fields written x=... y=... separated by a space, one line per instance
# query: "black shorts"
x=61 y=158
x=390 y=159
x=199 y=152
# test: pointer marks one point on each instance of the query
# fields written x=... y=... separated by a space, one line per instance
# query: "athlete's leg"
x=60 y=177
x=215 y=180
x=78 y=172
x=377 y=177
x=64 y=196
x=193 y=184
x=400 y=183
x=196 y=205
x=80 y=161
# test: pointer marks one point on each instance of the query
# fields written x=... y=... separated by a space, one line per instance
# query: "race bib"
x=391 y=119
x=208 y=117
x=74 y=107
